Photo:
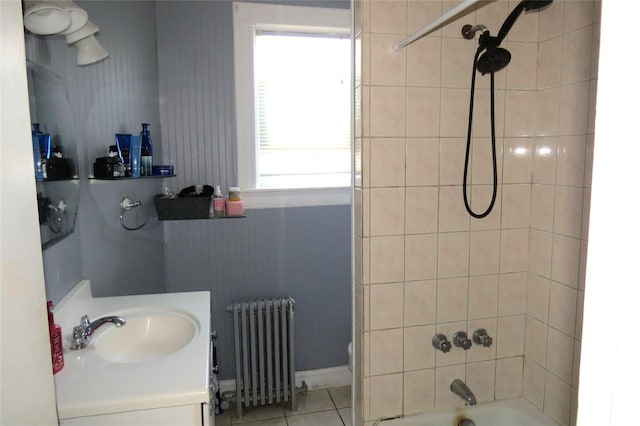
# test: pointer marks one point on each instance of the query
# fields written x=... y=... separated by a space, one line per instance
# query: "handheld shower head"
x=536 y=4
x=496 y=58
x=515 y=13
x=493 y=60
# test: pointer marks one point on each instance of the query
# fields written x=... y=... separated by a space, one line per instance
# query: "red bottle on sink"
x=55 y=336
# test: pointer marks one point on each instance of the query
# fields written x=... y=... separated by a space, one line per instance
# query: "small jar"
x=234 y=193
x=234 y=204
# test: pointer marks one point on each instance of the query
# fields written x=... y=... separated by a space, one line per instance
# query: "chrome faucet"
x=83 y=332
x=462 y=390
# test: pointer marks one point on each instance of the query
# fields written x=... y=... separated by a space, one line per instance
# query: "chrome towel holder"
x=125 y=205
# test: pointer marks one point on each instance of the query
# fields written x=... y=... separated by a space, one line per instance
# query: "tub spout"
x=462 y=390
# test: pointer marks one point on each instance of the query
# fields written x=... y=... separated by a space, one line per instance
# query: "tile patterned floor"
x=322 y=407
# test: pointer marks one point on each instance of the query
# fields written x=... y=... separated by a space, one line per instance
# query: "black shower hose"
x=493 y=144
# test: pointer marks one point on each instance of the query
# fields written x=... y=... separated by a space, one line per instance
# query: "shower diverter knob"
x=461 y=340
x=440 y=342
x=481 y=337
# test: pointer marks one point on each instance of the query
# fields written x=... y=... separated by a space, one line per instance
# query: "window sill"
x=279 y=198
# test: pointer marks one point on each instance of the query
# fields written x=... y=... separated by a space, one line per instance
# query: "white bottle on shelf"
x=218 y=202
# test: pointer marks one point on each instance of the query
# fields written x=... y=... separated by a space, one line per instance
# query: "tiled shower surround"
x=422 y=264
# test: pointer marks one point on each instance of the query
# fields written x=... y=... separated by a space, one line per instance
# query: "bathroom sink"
x=147 y=335
x=124 y=369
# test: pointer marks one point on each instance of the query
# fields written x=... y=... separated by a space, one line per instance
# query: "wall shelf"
x=57 y=179
x=208 y=218
x=131 y=177
x=185 y=208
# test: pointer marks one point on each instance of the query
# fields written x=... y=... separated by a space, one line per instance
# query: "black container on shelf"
x=109 y=167
x=59 y=168
x=182 y=208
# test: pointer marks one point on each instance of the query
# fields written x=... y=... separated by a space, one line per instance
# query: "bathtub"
x=514 y=412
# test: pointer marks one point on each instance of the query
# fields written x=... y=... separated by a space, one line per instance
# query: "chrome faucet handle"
x=440 y=342
x=78 y=340
x=481 y=337
x=83 y=332
x=84 y=321
x=79 y=337
x=461 y=340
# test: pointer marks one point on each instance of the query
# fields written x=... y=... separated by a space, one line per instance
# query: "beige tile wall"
x=567 y=72
x=422 y=265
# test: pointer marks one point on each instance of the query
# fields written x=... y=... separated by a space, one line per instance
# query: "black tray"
x=182 y=208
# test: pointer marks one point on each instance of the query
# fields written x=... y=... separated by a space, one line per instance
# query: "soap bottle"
x=117 y=167
x=45 y=151
x=218 y=202
x=37 y=158
x=55 y=336
x=146 y=155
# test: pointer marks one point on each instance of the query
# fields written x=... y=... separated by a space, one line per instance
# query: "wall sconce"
x=64 y=17
x=88 y=49
x=45 y=18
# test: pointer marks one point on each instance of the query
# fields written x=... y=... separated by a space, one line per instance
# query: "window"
x=293 y=103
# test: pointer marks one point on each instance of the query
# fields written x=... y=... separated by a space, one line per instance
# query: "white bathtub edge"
x=436 y=417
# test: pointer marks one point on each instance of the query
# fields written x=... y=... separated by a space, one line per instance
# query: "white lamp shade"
x=46 y=18
x=79 y=16
x=89 y=51
x=88 y=29
x=67 y=18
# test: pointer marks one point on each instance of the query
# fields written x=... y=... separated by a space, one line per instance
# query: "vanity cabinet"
x=152 y=370
x=184 y=415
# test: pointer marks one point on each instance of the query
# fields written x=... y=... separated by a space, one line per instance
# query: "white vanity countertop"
x=89 y=385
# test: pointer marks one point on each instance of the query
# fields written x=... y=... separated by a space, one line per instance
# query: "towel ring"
x=58 y=221
x=125 y=205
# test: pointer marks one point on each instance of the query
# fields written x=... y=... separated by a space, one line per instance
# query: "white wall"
x=609 y=374
x=27 y=395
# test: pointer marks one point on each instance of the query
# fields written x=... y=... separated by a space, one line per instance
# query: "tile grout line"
x=335 y=406
x=284 y=416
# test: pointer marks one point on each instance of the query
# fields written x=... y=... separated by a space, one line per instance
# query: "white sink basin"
x=164 y=332
x=147 y=335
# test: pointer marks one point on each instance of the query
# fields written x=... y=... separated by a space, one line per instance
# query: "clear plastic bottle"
x=218 y=202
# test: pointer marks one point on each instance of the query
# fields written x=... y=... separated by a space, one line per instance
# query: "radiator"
x=265 y=368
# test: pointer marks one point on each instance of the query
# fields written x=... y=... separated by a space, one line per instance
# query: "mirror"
x=58 y=190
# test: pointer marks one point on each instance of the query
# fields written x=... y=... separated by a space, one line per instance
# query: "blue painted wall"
x=113 y=96
x=298 y=252
x=180 y=79
x=302 y=252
